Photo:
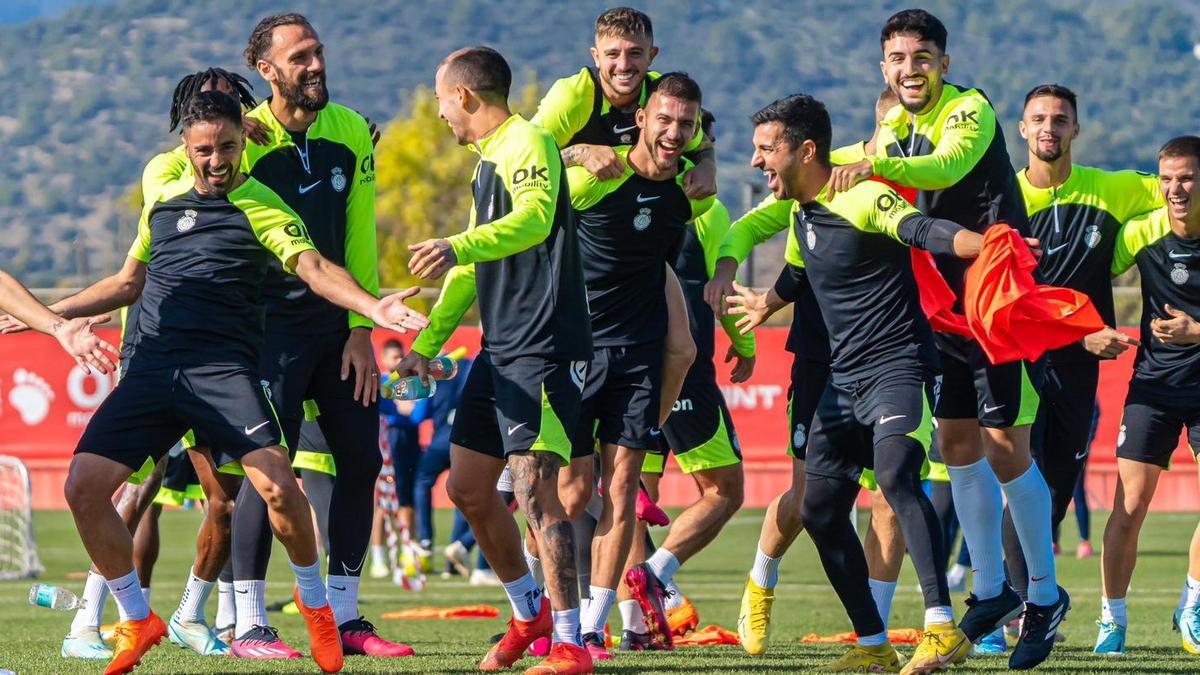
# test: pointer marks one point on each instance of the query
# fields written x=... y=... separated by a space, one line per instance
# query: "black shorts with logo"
x=527 y=404
x=621 y=399
x=1150 y=427
x=852 y=418
x=999 y=396
x=1060 y=436
x=809 y=379
x=149 y=410
x=699 y=431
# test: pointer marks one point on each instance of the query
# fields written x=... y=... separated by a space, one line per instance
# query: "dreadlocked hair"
x=192 y=84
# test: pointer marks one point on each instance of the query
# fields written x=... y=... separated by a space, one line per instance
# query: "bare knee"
x=727 y=493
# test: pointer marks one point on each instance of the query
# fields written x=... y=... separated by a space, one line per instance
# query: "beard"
x=295 y=94
x=1049 y=155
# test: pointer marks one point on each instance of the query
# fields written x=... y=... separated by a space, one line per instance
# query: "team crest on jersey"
x=1180 y=274
x=579 y=373
x=799 y=436
x=187 y=221
x=810 y=235
x=337 y=179
x=1091 y=236
x=642 y=220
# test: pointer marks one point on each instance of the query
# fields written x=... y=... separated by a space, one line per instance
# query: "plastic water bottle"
x=443 y=368
x=53 y=597
x=411 y=388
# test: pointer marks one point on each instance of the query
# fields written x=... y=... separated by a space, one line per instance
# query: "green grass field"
x=31 y=636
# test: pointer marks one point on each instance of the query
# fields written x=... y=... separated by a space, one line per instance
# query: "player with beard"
x=1075 y=211
x=944 y=141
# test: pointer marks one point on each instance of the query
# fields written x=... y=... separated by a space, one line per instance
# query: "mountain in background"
x=17 y=11
x=87 y=91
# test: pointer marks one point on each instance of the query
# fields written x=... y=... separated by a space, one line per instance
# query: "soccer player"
x=196 y=362
x=944 y=141
x=1075 y=211
x=699 y=432
x=875 y=411
x=1163 y=397
x=74 y=335
x=521 y=401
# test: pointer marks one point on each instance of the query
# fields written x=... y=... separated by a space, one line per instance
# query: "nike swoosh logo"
x=306 y=188
x=621 y=130
x=655 y=432
x=992 y=408
x=250 y=430
x=1060 y=247
x=643 y=200
x=123 y=588
x=241 y=591
x=1178 y=256
x=337 y=588
x=513 y=430
x=1037 y=579
x=889 y=418
x=1081 y=455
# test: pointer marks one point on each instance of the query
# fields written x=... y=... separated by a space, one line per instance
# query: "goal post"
x=18 y=551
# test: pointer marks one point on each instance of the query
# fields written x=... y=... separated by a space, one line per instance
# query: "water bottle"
x=443 y=368
x=53 y=597
x=412 y=388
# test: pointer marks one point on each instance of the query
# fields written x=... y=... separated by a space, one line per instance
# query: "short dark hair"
x=707 y=120
x=210 y=106
x=190 y=85
x=481 y=69
x=260 y=38
x=1181 y=146
x=393 y=343
x=1055 y=91
x=676 y=85
x=918 y=22
x=624 y=22
x=804 y=118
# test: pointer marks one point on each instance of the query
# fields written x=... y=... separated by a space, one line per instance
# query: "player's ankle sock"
x=979 y=505
x=226 y=613
x=525 y=597
x=128 y=594
x=765 y=572
x=1183 y=594
x=674 y=595
x=1191 y=592
x=883 y=592
x=195 y=597
x=378 y=555
x=308 y=580
x=343 y=597
x=939 y=614
x=535 y=565
x=664 y=564
x=873 y=640
x=1029 y=503
x=566 y=627
x=631 y=616
x=95 y=592
x=1112 y=610
x=250 y=605
x=598 y=609
x=146 y=594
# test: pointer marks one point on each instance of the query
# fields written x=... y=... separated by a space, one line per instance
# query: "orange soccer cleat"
x=134 y=639
x=564 y=659
x=683 y=619
x=517 y=639
x=324 y=640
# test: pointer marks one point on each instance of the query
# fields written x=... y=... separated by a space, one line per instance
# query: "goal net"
x=18 y=552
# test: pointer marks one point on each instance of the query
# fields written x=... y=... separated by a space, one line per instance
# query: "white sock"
x=631 y=616
x=1192 y=594
x=128 y=594
x=566 y=627
x=525 y=597
x=765 y=572
x=664 y=564
x=1029 y=502
x=674 y=596
x=251 y=605
x=195 y=597
x=343 y=597
x=883 y=591
x=873 y=640
x=534 y=563
x=979 y=505
x=89 y=617
x=1112 y=610
x=378 y=555
x=1183 y=594
x=598 y=609
x=226 y=612
x=312 y=589
x=146 y=594
x=939 y=614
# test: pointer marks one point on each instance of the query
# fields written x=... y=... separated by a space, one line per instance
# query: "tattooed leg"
x=535 y=484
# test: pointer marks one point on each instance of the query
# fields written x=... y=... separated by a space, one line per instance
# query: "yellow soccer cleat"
x=941 y=646
x=754 y=618
x=859 y=659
